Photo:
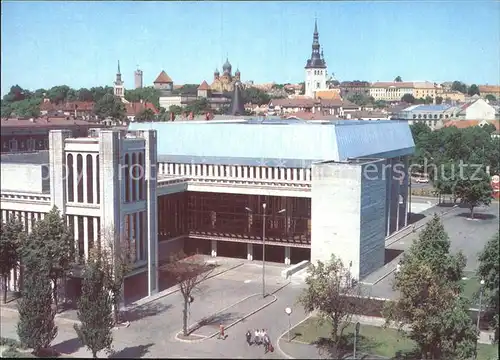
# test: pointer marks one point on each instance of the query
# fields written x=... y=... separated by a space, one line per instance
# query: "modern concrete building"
x=202 y=186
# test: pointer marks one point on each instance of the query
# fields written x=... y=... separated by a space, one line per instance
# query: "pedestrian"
x=249 y=338
x=266 y=344
x=257 y=336
x=221 y=332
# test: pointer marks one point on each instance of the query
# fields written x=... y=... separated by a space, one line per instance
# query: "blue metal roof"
x=293 y=143
x=442 y=107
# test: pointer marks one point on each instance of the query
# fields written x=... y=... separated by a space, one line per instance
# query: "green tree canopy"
x=95 y=310
x=109 y=106
x=255 y=96
x=146 y=94
x=490 y=97
x=428 y=284
x=408 y=98
x=51 y=242
x=398 y=79
x=489 y=271
x=36 y=328
x=459 y=86
x=146 y=115
x=473 y=186
x=11 y=238
x=473 y=90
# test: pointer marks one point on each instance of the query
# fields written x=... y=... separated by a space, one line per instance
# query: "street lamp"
x=288 y=311
x=356 y=334
x=264 y=244
x=479 y=315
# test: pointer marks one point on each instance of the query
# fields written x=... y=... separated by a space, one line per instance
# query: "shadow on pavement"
x=143 y=311
x=215 y=320
x=391 y=254
x=478 y=216
x=132 y=352
x=68 y=346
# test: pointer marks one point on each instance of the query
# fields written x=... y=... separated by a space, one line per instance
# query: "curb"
x=281 y=337
x=234 y=322
x=170 y=292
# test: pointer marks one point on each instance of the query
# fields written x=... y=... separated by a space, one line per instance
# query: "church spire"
x=316 y=60
x=118 y=74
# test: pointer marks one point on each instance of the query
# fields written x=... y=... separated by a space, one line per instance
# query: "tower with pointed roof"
x=118 y=88
x=315 y=69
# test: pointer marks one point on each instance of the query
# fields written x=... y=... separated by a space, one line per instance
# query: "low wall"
x=285 y=274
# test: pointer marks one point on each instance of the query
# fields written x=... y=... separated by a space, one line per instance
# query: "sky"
x=44 y=44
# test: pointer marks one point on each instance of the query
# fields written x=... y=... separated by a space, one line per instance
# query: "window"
x=31 y=144
x=414 y=116
x=13 y=145
x=317 y=85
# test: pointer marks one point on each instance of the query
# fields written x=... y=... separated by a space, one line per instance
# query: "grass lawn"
x=471 y=286
x=373 y=340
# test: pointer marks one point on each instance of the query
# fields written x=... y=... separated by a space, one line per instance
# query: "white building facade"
x=191 y=191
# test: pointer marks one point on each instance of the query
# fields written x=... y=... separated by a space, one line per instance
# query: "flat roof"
x=37 y=158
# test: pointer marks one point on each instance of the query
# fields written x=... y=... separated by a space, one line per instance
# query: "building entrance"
x=299 y=254
x=232 y=249
x=197 y=246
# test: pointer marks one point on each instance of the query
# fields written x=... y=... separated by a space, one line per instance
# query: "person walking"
x=249 y=338
x=221 y=332
x=257 y=337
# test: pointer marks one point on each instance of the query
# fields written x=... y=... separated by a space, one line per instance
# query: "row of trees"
x=46 y=256
x=432 y=309
x=457 y=160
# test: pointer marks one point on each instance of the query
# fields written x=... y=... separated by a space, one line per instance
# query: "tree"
x=147 y=94
x=430 y=301
x=58 y=94
x=146 y=115
x=489 y=271
x=84 y=95
x=116 y=259
x=329 y=292
x=428 y=100
x=359 y=99
x=199 y=106
x=398 y=79
x=459 y=86
x=490 y=98
x=177 y=110
x=473 y=90
x=36 y=327
x=109 y=106
x=255 y=96
x=188 y=274
x=408 y=98
x=473 y=188
x=11 y=236
x=52 y=242
x=95 y=310
x=439 y=100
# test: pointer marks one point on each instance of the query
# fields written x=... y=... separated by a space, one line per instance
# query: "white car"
x=422 y=180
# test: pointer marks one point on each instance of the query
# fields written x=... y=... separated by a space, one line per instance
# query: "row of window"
x=435 y=116
x=25 y=145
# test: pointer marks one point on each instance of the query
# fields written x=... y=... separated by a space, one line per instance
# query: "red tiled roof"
x=392 y=84
x=41 y=122
x=463 y=124
x=163 y=78
x=204 y=86
x=309 y=103
x=67 y=106
x=133 y=108
x=307 y=115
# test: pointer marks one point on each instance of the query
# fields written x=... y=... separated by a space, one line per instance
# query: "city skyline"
x=78 y=43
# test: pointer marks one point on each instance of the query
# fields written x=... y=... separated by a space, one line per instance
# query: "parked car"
x=422 y=180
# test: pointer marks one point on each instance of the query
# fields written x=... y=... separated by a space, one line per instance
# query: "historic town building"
x=211 y=187
x=225 y=82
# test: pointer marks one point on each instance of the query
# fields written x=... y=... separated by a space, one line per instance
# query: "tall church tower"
x=316 y=75
x=118 y=88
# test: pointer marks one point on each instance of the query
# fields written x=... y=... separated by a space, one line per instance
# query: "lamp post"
x=264 y=205
x=481 y=283
x=356 y=333
x=288 y=311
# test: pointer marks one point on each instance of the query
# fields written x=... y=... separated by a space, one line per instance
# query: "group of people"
x=260 y=337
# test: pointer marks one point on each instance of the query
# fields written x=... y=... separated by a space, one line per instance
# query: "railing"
x=246 y=182
x=294 y=241
x=20 y=196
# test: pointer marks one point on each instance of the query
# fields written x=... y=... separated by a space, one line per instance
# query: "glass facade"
x=236 y=216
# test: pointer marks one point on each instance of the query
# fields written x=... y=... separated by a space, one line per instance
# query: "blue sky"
x=78 y=43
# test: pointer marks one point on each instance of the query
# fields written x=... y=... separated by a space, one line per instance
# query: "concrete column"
x=137 y=234
x=96 y=229
x=58 y=173
x=130 y=178
x=288 y=173
x=95 y=179
x=405 y=189
x=251 y=172
x=250 y=252
x=288 y=260
x=282 y=173
x=270 y=174
x=301 y=174
x=84 y=178
x=239 y=173
x=86 y=237
x=76 y=237
x=308 y=174
x=214 y=247
x=29 y=221
x=245 y=172
x=257 y=172
x=76 y=177
x=150 y=160
x=276 y=173
x=294 y=174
